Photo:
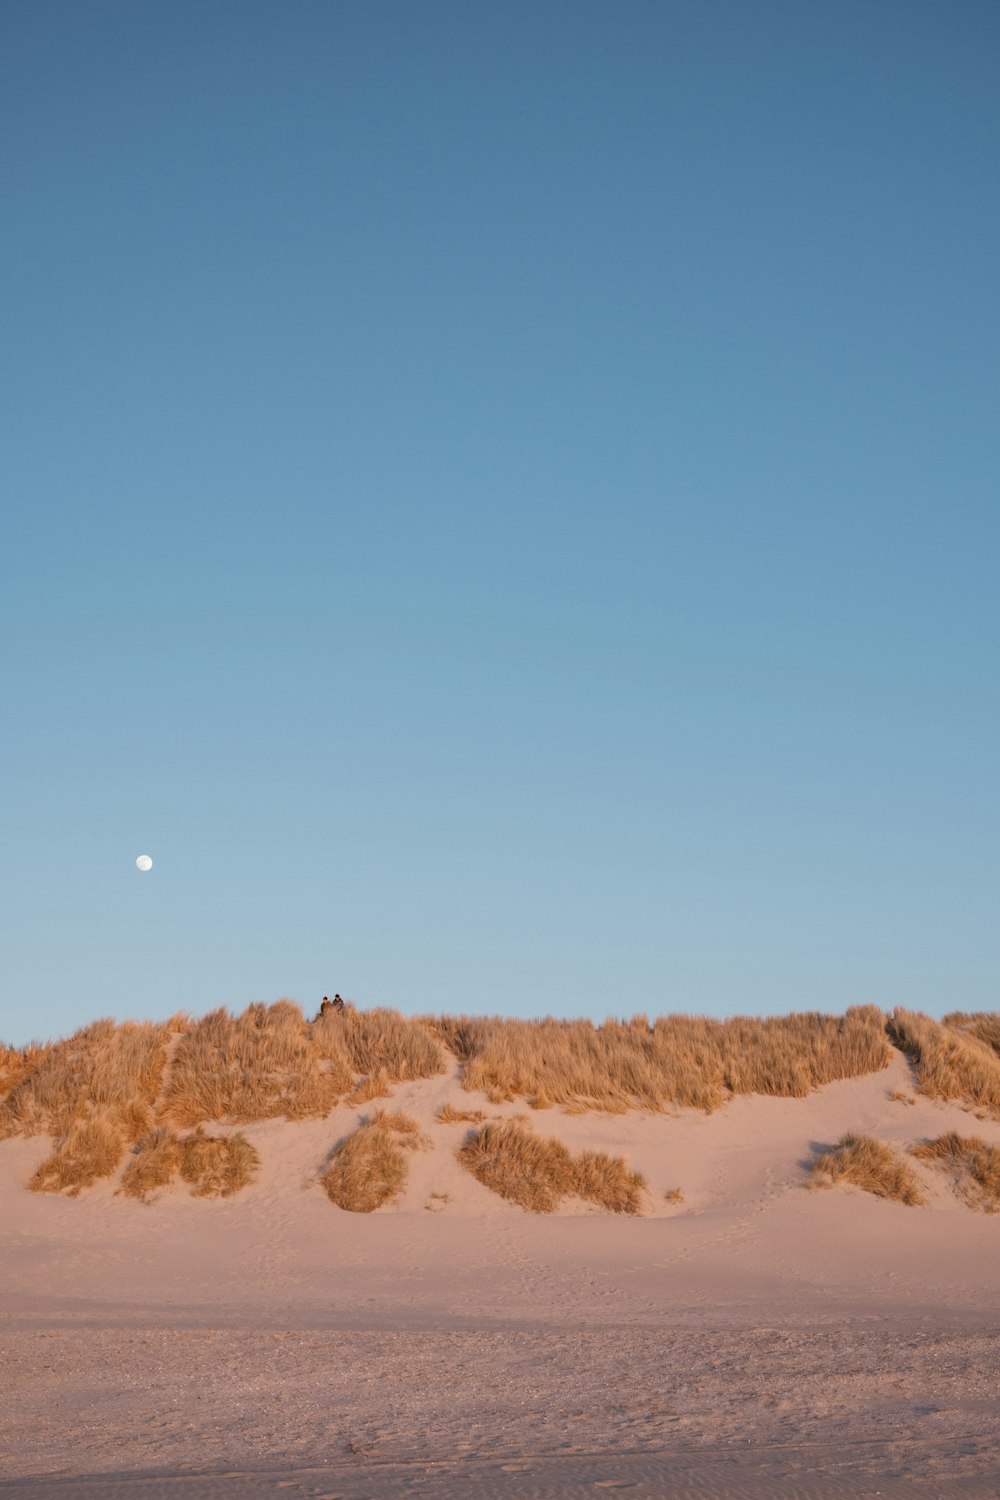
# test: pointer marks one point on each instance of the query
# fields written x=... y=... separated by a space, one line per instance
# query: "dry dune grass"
x=255 y=1066
x=271 y=1062
x=985 y=1025
x=792 y=1055
x=215 y=1166
x=93 y=1093
x=404 y=1126
x=538 y=1172
x=104 y=1067
x=369 y=1168
x=90 y=1149
x=973 y=1166
x=951 y=1063
x=582 y=1066
x=449 y=1115
x=156 y=1162
x=16 y=1063
x=608 y=1182
x=681 y=1060
x=377 y=1048
x=384 y=1040
x=108 y=1086
x=376 y=1085
x=869 y=1164
x=533 y=1171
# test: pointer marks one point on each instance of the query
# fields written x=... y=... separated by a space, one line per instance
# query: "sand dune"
x=754 y=1338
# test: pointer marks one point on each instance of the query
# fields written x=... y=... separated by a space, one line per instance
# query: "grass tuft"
x=405 y=1126
x=377 y=1085
x=154 y=1165
x=214 y=1166
x=369 y=1168
x=217 y=1166
x=533 y=1171
x=868 y=1164
x=538 y=1172
x=608 y=1182
x=973 y=1166
x=449 y=1115
x=90 y=1149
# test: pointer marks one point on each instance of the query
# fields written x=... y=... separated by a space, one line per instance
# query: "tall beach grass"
x=689 y=1061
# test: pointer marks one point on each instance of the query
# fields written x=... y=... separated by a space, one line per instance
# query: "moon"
x=144 y=863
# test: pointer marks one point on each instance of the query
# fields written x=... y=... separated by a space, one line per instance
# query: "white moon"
x=144 y=862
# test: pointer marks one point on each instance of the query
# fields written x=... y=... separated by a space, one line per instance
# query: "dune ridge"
x=138 y=1086
x=143 y=1093
x=735 y=1311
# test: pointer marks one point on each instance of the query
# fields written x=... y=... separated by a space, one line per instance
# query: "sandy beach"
x=753 y=1339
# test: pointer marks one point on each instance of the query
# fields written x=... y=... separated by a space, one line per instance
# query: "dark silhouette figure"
x=336 y=1004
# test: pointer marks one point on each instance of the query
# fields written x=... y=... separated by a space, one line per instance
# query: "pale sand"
x=758 y=1340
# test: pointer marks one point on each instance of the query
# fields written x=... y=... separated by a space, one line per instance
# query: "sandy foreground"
x=755 y=1340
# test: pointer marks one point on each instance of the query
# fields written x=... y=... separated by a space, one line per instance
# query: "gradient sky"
x=501 y=502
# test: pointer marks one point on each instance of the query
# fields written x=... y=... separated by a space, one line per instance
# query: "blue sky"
x=501 y=504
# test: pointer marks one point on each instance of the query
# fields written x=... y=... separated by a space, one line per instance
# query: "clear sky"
x=501 y=502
